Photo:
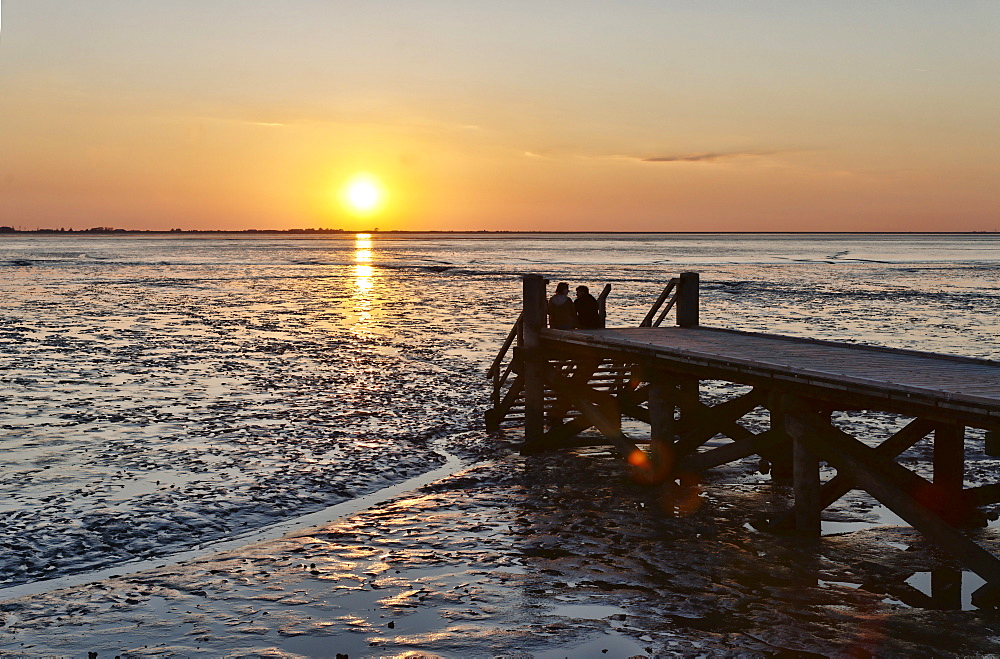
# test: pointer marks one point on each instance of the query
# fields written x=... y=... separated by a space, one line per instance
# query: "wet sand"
x=166 y=394
x=552 y=555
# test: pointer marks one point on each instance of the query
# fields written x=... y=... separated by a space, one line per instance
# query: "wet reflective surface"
x=559 y=553
x=163 y=393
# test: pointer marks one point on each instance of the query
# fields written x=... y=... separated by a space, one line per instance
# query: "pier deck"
x=567 y=381
x=938 y=386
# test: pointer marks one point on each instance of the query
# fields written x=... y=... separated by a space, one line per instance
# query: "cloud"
x=704 y=157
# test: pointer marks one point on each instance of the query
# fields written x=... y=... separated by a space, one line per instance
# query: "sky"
x=665 y=115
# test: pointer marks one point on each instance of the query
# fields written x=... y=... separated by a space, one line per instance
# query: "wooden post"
x=949 y=458
x=992 y=447
x=805 y=478
x=689 y=399
x=662 y=400
x=805 y=475
x=533 y=321
x=781 y=456
x=687 y=300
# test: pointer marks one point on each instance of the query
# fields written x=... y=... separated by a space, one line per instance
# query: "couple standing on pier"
x=582 y=313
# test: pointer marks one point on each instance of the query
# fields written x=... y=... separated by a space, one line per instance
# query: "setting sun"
x=363 y=195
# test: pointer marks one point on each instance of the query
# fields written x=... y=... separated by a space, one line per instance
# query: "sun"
x=363 y=195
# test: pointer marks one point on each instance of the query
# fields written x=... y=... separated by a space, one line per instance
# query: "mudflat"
x=552 y=555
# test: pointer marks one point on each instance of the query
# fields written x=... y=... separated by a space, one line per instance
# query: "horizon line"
x=7 y=230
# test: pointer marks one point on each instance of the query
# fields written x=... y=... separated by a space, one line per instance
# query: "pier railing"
x=503 y=365
x=684 y=291
x=506 y=374
x=649 y=321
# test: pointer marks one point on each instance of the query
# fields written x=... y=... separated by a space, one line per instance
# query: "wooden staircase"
x=508 y=403
x=616 y=378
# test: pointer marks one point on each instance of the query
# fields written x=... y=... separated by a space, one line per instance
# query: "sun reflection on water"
x=363 y=248
x=364 y=278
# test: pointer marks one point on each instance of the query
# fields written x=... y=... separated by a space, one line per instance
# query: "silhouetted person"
x=587 y=312
x=562 y=315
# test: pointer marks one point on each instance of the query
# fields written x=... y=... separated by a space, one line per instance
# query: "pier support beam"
x=534 y=378
x=662 y=427
x=949 y=458
x=687 y=300
x=780 y=456
x=805 y=476
x=892 y=485
x=689 y=401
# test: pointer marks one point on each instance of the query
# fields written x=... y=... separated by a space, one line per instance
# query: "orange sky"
x=659 y=116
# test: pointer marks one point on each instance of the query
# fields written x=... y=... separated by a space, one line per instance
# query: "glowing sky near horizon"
x=660 y=116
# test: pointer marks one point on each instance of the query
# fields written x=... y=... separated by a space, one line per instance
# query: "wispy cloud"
x=705 y=157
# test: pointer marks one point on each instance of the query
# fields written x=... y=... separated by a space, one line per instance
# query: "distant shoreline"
x=107 y=231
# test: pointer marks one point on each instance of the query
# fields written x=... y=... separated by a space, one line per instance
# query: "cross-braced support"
x=574 y=381
x=681 y=425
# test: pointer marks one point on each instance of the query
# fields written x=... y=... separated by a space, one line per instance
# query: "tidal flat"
x=175 y=409
x=551 y=555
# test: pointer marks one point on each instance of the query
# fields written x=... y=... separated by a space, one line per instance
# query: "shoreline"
x=268 y=533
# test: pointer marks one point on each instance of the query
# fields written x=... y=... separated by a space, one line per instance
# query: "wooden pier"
x=562 y=382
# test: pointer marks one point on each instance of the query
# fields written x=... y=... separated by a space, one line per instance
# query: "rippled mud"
x=135 y=424
x=552 y=555
x=160 y=395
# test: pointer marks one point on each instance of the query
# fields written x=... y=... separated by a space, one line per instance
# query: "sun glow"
x=363 y=195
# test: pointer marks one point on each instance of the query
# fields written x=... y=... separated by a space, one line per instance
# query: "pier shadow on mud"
x=689 y=558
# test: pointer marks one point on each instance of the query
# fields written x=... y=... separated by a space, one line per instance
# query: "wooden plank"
x=915 y=401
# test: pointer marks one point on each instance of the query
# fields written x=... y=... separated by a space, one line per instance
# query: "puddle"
x=611 y=644
x=587 y=611
x=882 y=517
x=948 y=588
x=846 y=584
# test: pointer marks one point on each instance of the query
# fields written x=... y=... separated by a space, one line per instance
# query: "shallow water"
x=162 y=392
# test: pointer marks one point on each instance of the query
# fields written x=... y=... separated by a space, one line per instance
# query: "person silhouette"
x=562 y=314
x=587 y=312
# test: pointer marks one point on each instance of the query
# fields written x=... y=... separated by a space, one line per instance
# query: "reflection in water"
x=942 y=588
x=363 y=277
x=364 y=280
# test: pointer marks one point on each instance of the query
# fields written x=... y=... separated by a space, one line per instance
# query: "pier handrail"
x=602 y=305
x=494 y=372
x=648 y=320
